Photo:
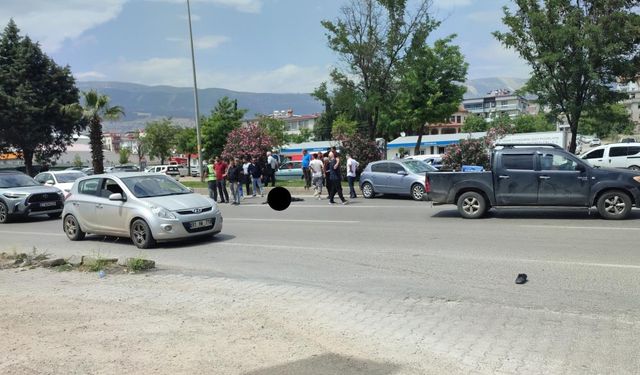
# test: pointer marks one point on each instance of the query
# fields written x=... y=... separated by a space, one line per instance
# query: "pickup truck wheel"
x=417 y=192
x=472 y=205
x=367 y=190
x=614 y=205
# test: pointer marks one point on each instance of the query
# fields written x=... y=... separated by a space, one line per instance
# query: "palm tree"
x=96 y=108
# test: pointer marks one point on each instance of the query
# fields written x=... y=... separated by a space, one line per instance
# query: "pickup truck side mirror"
x=581 y=168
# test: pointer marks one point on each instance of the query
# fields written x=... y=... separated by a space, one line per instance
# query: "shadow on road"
x=540 y=213
x=329 y=363
x=176 y=244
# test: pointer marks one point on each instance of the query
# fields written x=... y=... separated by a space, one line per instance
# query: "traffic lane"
x=464 y=267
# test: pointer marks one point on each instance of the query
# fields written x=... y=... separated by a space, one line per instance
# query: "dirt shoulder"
x=159 y=323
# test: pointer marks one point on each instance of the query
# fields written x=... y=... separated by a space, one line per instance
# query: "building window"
x=458 y=119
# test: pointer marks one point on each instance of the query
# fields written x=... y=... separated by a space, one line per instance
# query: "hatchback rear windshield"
x=16 y=180
x=417 y=166
x=154 y=186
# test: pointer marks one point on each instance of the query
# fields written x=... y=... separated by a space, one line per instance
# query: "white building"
x=293 y=123
x=495 y=103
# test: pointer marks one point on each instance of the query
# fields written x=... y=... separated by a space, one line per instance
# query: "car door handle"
x=76 y=204
x=544 y=177
x=98 y=206
x=583 y=178
x=504 y=177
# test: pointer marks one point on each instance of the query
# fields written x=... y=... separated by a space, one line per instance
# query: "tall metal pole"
x=195 y=94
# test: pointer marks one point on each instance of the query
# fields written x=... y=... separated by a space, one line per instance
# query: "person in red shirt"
x=221 y=174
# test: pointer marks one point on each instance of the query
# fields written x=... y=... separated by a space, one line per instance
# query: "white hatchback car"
x=615 y=155
x=62 y=180
x=147 y=207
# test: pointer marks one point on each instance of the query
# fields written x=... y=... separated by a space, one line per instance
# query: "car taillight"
x=427 y=184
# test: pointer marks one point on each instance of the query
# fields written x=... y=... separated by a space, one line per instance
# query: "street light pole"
x=195 y=94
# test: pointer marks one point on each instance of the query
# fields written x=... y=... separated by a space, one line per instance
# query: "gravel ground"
x=165 y=323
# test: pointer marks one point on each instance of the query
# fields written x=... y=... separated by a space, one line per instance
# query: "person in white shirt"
x=317 y=174
x=352 y=167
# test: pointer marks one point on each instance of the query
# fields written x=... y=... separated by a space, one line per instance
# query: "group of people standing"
x=251 y=172
x=320 y=170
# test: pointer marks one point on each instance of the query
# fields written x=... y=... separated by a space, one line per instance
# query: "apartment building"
x=496 y=103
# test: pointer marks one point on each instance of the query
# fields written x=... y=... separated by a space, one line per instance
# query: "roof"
x=309 y=146
x=433 y=140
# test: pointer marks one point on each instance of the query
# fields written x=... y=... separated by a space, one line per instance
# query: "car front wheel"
x=472 y=205
x=614 y=205
x=417 y=192
x=367 y=190
x=4 y=213
x=72 y=228
x=141 y=234
x=634 y=168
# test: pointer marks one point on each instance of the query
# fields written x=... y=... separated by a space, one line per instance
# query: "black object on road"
x=279 y=198
x=521 y=279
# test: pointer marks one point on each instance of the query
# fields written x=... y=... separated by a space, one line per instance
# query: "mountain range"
x=142 y=103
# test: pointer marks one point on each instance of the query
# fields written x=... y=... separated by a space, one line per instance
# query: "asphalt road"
x=400 y=255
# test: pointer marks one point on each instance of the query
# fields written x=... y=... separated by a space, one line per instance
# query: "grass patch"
x=99 y=265
x=137 y=264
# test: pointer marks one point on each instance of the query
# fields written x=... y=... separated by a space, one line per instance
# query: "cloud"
x=493 y=60
x=87 y=76
x=449 y=4
x=204 y=42
x=246 y=6
x=288 y=78
x=53 y=22
x=194 y=17
x=486 y=17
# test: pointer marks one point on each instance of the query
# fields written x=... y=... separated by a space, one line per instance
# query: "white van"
x=615 y=155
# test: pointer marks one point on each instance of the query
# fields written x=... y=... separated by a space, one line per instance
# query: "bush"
x=360 y=148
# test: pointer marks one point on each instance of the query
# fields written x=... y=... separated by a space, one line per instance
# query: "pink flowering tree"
x=252 y=141
x=474 y=151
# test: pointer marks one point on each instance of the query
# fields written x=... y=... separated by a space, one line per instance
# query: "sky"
x=276 y=46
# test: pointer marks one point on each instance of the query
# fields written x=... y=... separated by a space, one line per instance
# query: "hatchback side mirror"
x=116 y=197
x=49 y=183
x=402 y=173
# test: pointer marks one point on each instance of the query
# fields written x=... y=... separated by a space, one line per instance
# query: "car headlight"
x=163 y=213
x=15 y=195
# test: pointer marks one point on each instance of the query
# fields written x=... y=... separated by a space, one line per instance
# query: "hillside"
x=142 y=103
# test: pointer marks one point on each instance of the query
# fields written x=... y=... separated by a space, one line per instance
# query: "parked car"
x=62 y=180
x=122 y=168
x=75 y=169
x=169 y=170
x=628 y=140
x=434 y=160
x=615 y=155
x=402 y=177
x=182 y=169
x=536 y=176
x=290 y=170
x=148 y=208
x=21 y=195
x=87 y=171
x=595 y=142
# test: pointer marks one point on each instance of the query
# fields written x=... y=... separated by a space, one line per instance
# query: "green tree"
x=77 y=161
x=431 y=86
x=371 y=37
x=160 y=138
x=224 y=118
x=473 y=123
x=344 y=101
x=527 y=123
x=610 y=120
x=343 y=127
x=276 y=128
x=39 y=112
x=124 y=155
x=576 y=48
x=304 y=136
x=96 y=107
x=187 y=143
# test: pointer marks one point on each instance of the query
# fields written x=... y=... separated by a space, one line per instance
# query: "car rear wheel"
x=72 y=228
x=417 y=192
x=472 y=205
x=4 y=213
x=614 y=205
x=634 y=168
x=141 y=234
x=367 y=190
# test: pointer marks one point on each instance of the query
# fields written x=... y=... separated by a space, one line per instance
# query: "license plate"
x=200 y=224
x=48 y=204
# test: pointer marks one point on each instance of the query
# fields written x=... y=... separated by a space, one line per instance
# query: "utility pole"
x=195 y=94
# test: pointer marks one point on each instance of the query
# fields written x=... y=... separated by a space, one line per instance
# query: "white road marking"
x=32 y=233
x=293 y=220
x=576 y=227
x=567 y=263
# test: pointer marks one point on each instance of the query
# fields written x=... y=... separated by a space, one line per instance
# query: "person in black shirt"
x=335 y=179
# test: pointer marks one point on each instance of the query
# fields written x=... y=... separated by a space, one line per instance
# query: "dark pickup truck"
x=536 y=175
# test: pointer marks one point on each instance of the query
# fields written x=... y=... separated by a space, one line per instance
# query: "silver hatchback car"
x=401 y=177
x=147 y=207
